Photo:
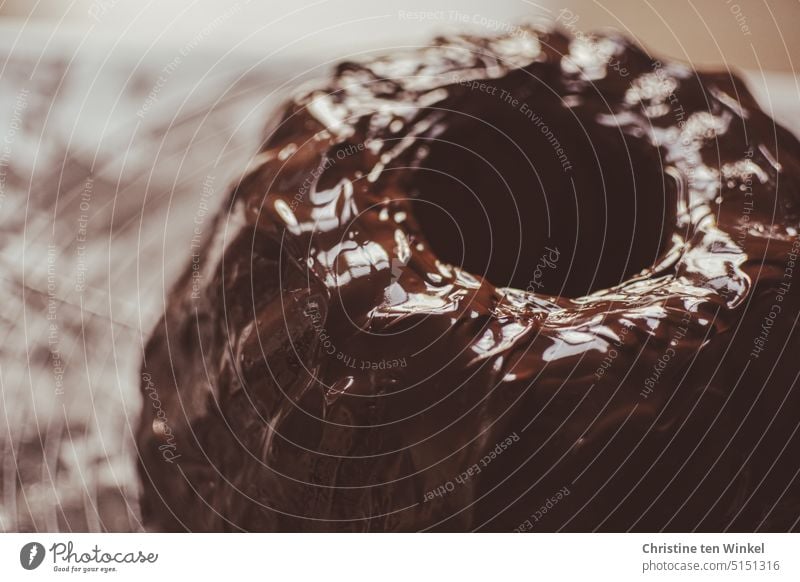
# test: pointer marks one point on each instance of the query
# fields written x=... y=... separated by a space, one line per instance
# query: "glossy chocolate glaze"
x=513 y=283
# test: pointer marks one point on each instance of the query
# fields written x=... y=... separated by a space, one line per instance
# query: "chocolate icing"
x=515 y=283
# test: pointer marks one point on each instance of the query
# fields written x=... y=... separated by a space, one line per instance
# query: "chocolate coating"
x=513 y=283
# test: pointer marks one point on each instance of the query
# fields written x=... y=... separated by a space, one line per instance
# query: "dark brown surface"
x=323 y=371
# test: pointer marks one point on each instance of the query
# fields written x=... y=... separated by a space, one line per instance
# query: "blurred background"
x=751 y=34
x=121 y=120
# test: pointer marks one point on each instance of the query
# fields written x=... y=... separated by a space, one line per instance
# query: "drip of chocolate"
x=520 y=283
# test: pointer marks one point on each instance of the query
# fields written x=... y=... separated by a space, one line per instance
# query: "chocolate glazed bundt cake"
x=515 y=283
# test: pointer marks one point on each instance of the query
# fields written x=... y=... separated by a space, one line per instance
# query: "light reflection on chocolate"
x=406 y=205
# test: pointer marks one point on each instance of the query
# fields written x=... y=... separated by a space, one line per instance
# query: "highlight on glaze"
x=466 y=282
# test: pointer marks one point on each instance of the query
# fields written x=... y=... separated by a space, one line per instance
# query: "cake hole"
x=548 y=199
